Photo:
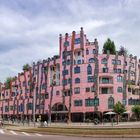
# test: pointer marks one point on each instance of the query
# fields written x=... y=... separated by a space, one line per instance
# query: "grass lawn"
x=86 y=131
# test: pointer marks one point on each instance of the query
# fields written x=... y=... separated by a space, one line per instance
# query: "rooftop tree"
x=122 y=51
x=109 y=46
x=8 y=82
x=26 y=67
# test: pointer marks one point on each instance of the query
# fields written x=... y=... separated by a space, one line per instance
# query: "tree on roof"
x=109 y=46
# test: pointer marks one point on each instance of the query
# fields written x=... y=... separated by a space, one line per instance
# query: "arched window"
x=91 y=60
x=120 y=89
x=77 y=80
x=89 y=69
x=119 y=78
x=104 y=61
x=110 y=103
x=87 y=51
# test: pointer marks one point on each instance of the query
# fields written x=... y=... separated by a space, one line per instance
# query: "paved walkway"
x=77 y=125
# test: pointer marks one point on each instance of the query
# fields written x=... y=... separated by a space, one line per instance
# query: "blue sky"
x=29 y=29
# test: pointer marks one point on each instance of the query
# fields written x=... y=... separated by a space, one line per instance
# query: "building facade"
x=78 y=84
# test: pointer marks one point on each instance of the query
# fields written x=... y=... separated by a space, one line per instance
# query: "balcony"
x=106 y=81
x=106 y=90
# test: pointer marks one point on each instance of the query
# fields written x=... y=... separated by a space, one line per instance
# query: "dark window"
x=78 y=103
x=94 y=51
x=64 y=82
x=46 y=96
x=87 y=51
x=68 y=62
x=119 y=78
x=129 y=89
x=77 y=80
x=77 y=41
x=57 y=92
x=105 y=70
x=120 y=89
x=104 y=61
x=89 y=102
x=91 y=60
x=90 y=79
x=87 y=89
x=79 y=53
x=65 y=72
x=79 y=62
x=89 y=69
x=104 y=90
x=77 y=90
x=66 y=43
x=77 y=70
x=105 y=80
x=110 y=103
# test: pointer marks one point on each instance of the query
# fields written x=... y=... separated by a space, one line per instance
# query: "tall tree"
x=122 y=51
x=26 y=67
x=8 y=82
x=109 y=46
x=119 y=109
x=136 y=111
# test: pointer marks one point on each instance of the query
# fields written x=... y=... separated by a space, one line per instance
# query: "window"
x=90 y=79
x=29 y=106
x=79 y=61
x=77 y=90
x=104 y=90
x=89 y=102
x=77 y=80
x=91 y=60
x=104 y=61
x=120 y=89
x=87 y=89
x=125 y=63
x=77 y=41
x=79 y=53
x=113 y=61
x=46 y=96
x=68 y=62
x=118 y=62
x=96 y=101
x=87 y=51
x=119 y=70
x=64 y=82
x=69 y=81
x=78 y=103
x=93 y=89
x=77 y=70
x=89 y=69
x=94 y=51
x=119 y=78
x=57 y=93
x=43 y=86
x=105 y=70
x=132 y=73
x=66 y=43
x=65 y=72
x=129 y=89
x=110 y=103
x=105 y=80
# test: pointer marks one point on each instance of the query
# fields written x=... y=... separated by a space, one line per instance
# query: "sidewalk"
x=76 y=125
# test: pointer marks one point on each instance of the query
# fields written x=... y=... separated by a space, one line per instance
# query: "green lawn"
x=86 y=131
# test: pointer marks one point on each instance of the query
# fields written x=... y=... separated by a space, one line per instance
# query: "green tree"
x=122 y=51
x=119 y=109
x=136 y=111
x=109 y=46
x=26 y=67
x=8 y=82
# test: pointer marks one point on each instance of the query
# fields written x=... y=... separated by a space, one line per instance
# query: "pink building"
x=78 y=84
